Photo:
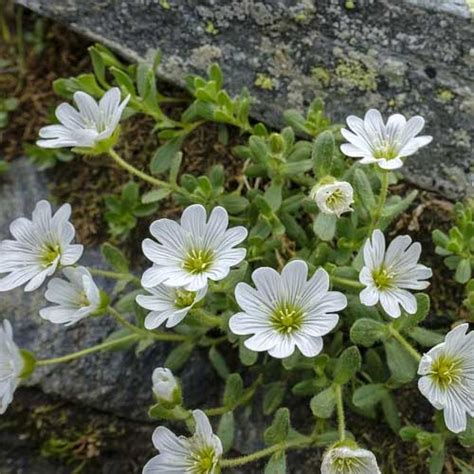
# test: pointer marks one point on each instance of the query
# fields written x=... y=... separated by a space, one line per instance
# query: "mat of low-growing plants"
x=332 y=298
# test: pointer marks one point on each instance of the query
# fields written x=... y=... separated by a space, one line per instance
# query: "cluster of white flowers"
x=284 y=312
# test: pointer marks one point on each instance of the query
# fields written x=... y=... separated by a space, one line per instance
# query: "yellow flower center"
x=446 y=370
x=184 y=298
x=198 y=261
x=385 y=150
x=287 y=318
x=83 y=301
x=203 y=461
x=50 y=253
x=383 y=278
x=334 y=198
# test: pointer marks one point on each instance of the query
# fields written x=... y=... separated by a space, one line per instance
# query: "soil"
x=67 y=438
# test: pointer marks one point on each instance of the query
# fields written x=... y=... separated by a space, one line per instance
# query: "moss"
x=165 y=4
x=445 y=95
x=353 y=74
x=321 y=76
x=211 y=29
x=263 y=81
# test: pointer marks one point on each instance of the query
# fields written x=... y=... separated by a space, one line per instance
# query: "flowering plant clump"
x=291 y=275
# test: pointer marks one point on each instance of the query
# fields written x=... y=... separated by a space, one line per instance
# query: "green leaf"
x=164 y=155
x=226 y=430
x=178 y=356
x=390 y=412
x=436 y=462
x=364 y=189
x=391 y=211
x=155 y=195
x=115 y=258
x=273 y=397
x=322 y=404
x=425 y=337
x=123 y=80
x=369 y=395
x=233 y=204
x=276 y=464
x=347 y=365
x=324 y=226
x=247 y=357
x=219 y=363
x=234 y=388
x=401 y=364
x=366 y=332
x=273 y=194
x=322 y=154
x=278 y=431
x=175 y=166
x=463 y=271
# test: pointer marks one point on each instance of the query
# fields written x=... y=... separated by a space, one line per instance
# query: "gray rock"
x=119 y=381
x=410 y=56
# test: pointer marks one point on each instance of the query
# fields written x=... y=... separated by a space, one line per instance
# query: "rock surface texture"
x=408 y=56
x=118 y=382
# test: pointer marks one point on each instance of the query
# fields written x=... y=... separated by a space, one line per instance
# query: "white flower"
x=199 y=454
x=11 y=366
x=75 y=298
x=333 y=198
x=349 y=460
x=448 y=377
x=168 y=304
x=287 y=310
x=190 y=253
x=92 y=123
x=388 y=275
x=165 y=385
x=386 y=145
x=40 y=246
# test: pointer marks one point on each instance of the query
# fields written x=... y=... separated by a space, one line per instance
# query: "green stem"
x=301 y=443
x=341 y=421
x=159 y=336
x=407 y=346
x=114 y=275
x=346 y=282
x=208 y=319
x=381 y=204
x=246 y=397
x=89 y=350
x=140 y=174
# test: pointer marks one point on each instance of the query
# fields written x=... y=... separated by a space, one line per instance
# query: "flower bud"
x=333 y=198
x=276 y=142
x=165 y=387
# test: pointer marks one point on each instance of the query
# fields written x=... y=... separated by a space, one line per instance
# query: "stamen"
x=50 y=253
x=383 y=278
x=287 y=318
x=184 y=298
x=198 y=261
x=446 y=371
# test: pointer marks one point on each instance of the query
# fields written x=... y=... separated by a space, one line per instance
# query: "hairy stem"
x=406 y=345
x=263 y=453
x=140 y=174
x=89 y=350
x=246 y=397
x=114 y=275
x=341 y=421
x=206 y=318
x=381 y=204
x=346 y=282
